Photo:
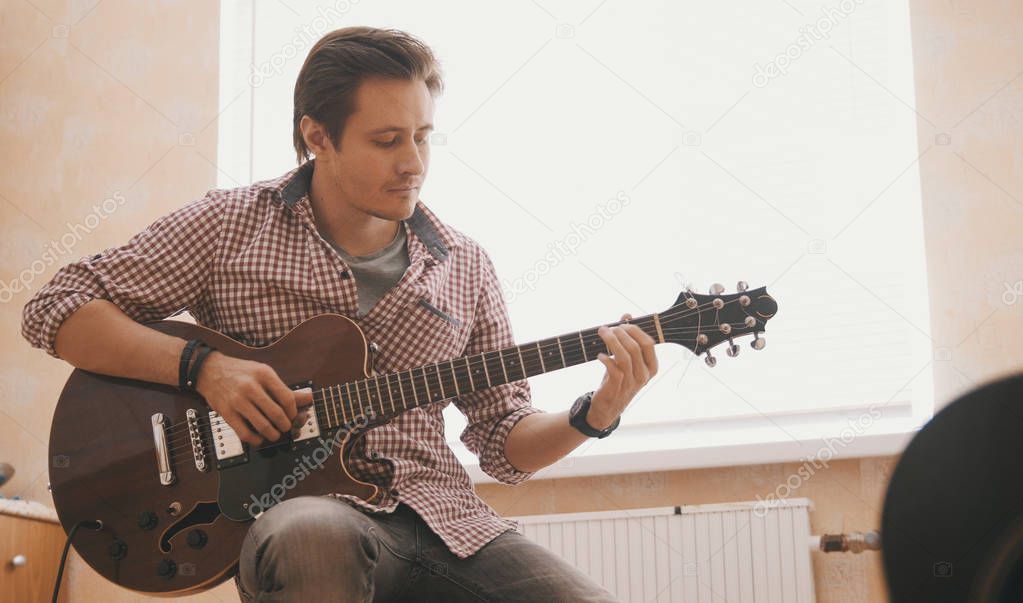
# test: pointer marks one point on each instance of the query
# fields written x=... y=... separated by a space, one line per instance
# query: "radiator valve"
x=854 y=542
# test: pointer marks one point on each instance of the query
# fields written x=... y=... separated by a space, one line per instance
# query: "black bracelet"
x=186 y=357
x=200 y=358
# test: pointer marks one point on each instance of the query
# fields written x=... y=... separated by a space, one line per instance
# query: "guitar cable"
x=92 y=524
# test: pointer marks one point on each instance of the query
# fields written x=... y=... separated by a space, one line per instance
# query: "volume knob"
x=197 y=539
x=147 y=520
x=118 y=550
x=166 y=568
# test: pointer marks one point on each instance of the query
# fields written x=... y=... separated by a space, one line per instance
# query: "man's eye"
x=388 y=143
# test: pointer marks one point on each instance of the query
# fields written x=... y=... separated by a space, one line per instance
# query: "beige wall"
x=121 y=100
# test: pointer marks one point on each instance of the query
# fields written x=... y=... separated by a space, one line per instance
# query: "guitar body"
x=185 y=536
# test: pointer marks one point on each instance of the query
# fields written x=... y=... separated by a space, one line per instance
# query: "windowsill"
x=822 y=436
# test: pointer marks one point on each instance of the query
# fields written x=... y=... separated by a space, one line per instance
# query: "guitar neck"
x=382 y=397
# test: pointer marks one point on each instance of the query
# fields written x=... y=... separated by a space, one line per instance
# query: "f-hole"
x=202 y=513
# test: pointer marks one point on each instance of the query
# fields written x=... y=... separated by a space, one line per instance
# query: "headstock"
x=700 y=322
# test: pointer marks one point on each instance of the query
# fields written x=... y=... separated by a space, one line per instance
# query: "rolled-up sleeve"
x=492 y=413
x=158 y=272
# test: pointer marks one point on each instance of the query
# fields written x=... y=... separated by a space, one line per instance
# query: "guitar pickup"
x=226 y=443
x=306 y=427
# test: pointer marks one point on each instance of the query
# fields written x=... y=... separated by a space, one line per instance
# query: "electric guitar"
x=169 y=490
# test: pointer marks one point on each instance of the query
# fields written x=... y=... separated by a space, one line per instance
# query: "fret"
x=522 y=365
x=330 y=390
x=431 y=392
x=657 y=325
x=486 y=371
x=327 y=404
x=380 y=397
x=500 y=354
x=561 y=351
x=440 y=380
x=486 y=368
x=335 y=403
x=582 y=346
x=468 y=369
x=412 y=381
x=543 y=368
x=454 y=376
x=535 y=365
x=426 y=387
x=351 y=403
x=510 y=376
x=319 y=405
x=401 y=392
x=341 y=402
x=369 y=398
x=390 y=392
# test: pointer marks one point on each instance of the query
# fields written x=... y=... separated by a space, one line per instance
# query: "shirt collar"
x=292 y=189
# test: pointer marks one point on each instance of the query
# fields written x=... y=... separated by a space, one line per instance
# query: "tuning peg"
x=741 y=286
x=758 y=342
x=710 y=360
x=717 y=289
x=733 y=348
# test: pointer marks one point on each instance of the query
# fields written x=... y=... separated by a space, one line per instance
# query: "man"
x=346 y=232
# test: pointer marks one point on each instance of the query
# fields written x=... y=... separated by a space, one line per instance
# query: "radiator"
x=744 y=552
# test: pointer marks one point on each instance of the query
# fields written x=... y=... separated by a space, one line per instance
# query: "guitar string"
x=182 y=440
x=672 y=315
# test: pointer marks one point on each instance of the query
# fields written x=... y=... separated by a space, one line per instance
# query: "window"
x=768 y=142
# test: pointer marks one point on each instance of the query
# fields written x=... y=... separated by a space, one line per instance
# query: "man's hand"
x=250 y=397
x=631 y=365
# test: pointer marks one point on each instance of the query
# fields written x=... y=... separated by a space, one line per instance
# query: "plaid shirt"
x=250 y=263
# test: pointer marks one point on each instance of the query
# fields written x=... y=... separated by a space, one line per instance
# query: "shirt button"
x=394 y=492
x=374 y=455
x=344 y=274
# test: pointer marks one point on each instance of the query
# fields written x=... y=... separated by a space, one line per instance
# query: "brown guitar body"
x=173 y=539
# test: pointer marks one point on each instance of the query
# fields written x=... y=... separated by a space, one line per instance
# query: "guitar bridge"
x=198 y=449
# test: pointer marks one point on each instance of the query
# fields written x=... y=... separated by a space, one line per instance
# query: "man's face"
x=384 y=148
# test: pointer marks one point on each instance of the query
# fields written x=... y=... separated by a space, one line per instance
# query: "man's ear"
x=315 y=135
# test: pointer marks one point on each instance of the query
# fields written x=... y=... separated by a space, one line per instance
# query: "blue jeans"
x=317 y=549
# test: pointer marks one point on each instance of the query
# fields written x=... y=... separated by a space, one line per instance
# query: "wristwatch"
x=577 y=418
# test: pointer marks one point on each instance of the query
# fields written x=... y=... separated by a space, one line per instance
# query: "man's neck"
x=355 y=231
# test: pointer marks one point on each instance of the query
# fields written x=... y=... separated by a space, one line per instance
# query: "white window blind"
x=608 y=154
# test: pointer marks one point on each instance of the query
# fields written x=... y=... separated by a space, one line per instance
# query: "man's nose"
x=412 y=160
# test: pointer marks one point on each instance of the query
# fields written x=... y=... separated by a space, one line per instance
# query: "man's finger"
x=272 y=411
x=241 y=428
x=304 y=397
x=260 y=423
x=280 y=392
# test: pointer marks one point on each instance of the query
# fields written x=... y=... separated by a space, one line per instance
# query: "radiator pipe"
x=854 y=542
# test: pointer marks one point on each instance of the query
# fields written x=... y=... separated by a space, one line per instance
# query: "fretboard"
x=382 y=397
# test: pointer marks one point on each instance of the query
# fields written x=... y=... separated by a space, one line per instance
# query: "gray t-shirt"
x=375 y=274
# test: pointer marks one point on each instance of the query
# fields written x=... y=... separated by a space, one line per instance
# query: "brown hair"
x=341 y=60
